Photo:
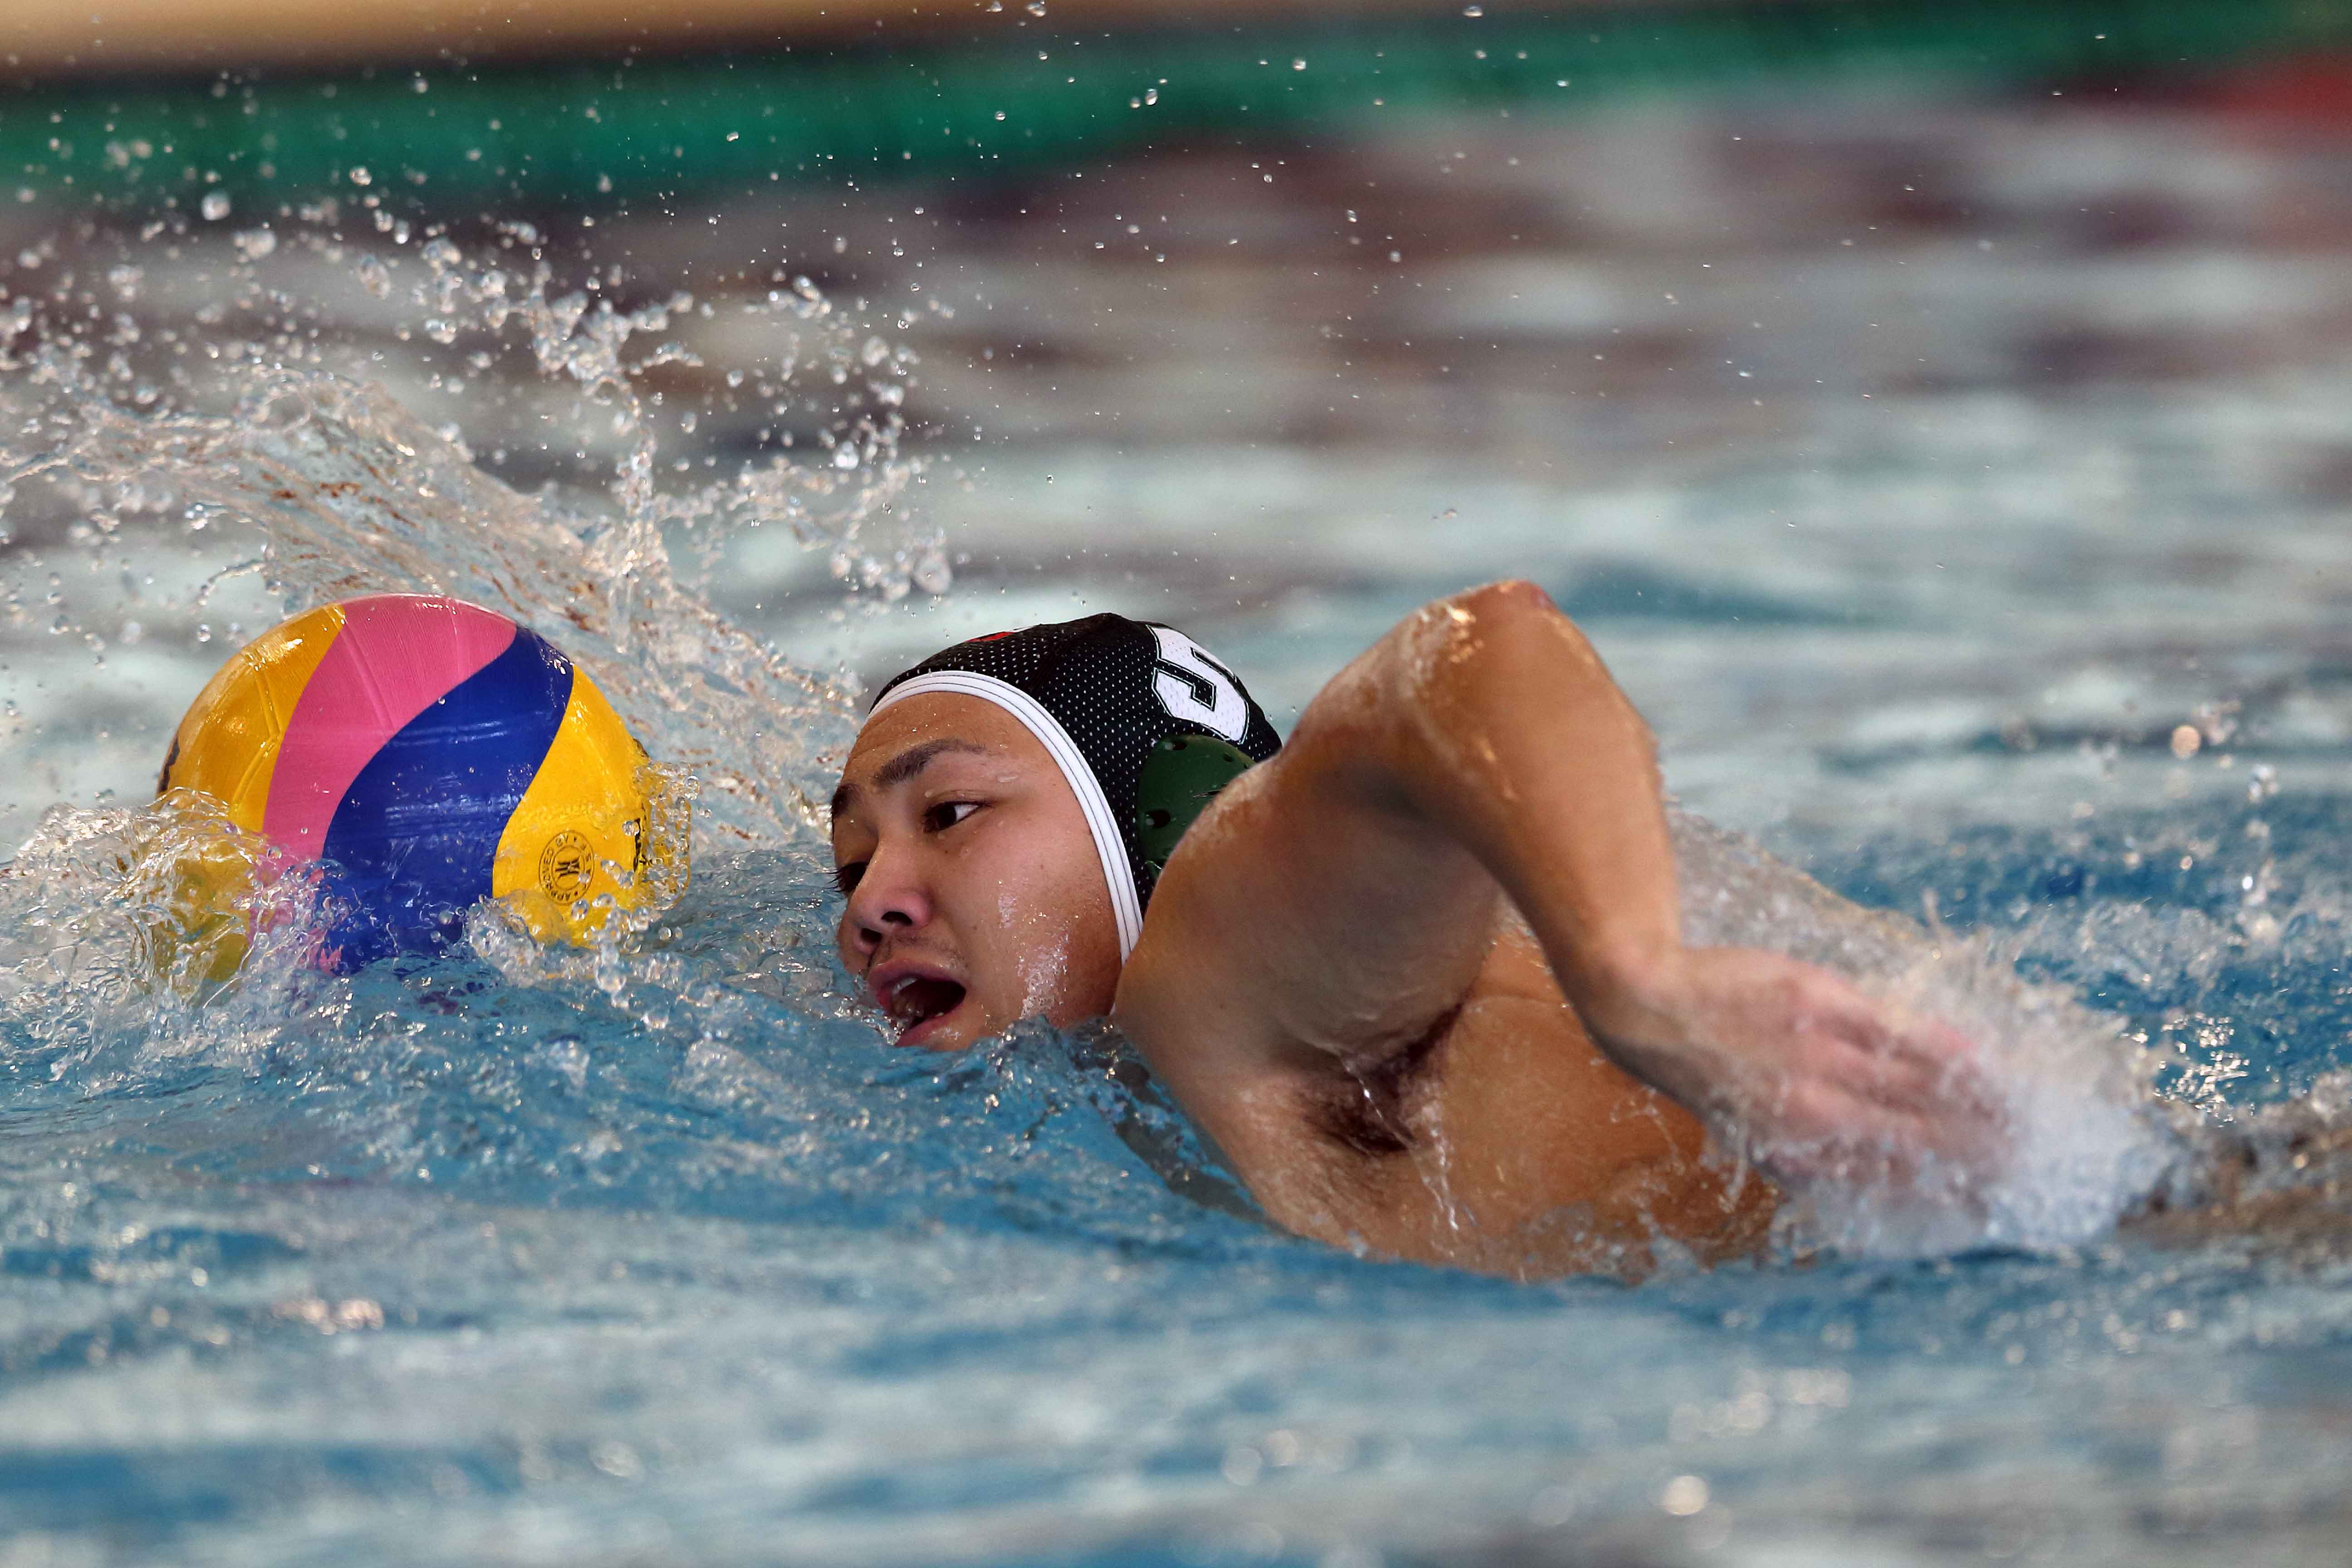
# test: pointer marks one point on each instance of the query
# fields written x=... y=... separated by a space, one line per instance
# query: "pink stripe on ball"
x=397 y=655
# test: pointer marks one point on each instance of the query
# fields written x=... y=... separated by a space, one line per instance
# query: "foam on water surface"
x=657 y=1251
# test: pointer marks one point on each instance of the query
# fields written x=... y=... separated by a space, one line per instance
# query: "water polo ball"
x=429 y=754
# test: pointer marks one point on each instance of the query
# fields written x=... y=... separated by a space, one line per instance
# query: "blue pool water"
x=661 y=1254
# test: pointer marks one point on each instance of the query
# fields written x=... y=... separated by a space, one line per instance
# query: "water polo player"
x=1419 y=974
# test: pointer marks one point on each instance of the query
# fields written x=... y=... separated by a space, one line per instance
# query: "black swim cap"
x=1145 y=725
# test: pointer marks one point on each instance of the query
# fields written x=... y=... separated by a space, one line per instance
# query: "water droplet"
x=1150 y=95
x=214 y=207
x=360 y=176
x=374 y=277
x=1683 y=1496
x=1298 y=64
x=1473 y=10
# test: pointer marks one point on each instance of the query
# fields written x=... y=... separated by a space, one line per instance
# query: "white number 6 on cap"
x=1196 y=688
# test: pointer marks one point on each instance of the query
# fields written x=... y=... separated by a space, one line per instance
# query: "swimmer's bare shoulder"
x=1421 y=976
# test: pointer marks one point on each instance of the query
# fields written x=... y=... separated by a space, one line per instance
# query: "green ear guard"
x=1175 y=784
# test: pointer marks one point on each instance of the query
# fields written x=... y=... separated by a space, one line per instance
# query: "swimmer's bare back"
x=1421 y=977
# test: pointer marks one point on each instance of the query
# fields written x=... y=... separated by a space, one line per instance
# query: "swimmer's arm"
x=1343 y=896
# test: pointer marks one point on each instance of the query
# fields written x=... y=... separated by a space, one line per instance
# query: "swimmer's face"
x=976 y=897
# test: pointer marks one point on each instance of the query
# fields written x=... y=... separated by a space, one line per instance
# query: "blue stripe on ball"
x=414 y=839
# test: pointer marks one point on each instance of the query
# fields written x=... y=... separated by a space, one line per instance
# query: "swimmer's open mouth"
x=914 y=999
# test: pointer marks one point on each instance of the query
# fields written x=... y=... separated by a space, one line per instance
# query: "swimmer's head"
x=1007 y=809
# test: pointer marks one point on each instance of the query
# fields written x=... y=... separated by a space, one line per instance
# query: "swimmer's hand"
x=1804 y=1075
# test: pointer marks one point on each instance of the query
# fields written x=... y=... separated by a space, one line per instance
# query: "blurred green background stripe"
x=591 y=132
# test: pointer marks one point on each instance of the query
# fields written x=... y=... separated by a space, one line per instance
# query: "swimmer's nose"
x=885 y=901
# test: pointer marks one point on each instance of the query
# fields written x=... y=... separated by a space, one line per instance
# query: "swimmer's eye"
x=948 y=813
x=845 y=878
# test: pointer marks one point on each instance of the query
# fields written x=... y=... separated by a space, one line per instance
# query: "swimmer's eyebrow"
x=903 y=767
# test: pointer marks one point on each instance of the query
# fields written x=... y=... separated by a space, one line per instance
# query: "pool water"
x=1990 y=567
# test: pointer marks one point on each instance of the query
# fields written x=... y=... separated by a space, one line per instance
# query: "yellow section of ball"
x=587 y=838
x=226 y=749
x=227 y=744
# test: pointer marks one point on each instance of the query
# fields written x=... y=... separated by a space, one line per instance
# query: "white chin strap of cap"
x=1109 y=845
